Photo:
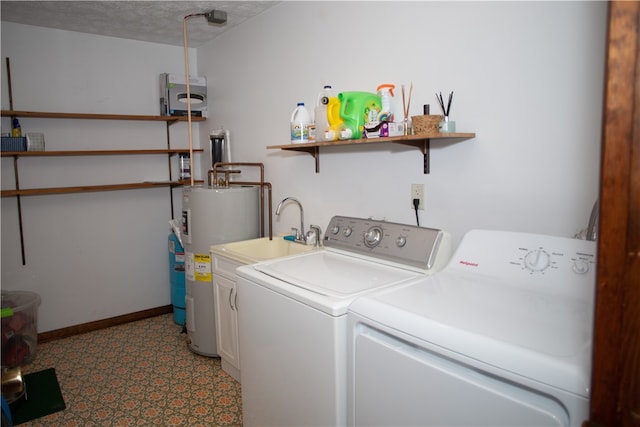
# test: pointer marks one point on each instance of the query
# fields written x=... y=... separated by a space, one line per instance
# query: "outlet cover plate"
x=417 y=192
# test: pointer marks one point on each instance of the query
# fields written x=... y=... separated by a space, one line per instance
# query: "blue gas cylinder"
x=177 y=279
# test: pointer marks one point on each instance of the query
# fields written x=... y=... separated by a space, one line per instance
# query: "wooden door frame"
x=615 y=394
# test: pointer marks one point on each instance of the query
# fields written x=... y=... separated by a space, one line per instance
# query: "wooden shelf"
x=18 y=192
x=91 y=116
x=419 y=141
x=62 y=153
x=93 y=188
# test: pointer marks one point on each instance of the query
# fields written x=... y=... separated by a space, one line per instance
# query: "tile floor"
x=138 y=374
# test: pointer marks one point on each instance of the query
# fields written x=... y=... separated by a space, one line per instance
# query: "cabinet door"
x=226 y=319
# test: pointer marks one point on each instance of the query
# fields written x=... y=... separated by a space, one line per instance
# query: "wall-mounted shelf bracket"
x=424 y=146
x=315 y=153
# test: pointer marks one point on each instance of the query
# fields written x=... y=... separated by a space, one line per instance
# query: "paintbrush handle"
x=441 y=102
x=449 y=104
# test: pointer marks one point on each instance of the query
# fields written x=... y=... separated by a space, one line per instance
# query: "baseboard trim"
x=101 y=324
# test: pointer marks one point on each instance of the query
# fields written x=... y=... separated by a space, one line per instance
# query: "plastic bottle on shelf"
x=185 y=166
x=323 y=128
x=386 y=93
x=336 y=123
x=16 y=130
x=300 y=121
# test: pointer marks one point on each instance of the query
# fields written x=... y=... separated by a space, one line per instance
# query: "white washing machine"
x=502 y=336
x=292 y=316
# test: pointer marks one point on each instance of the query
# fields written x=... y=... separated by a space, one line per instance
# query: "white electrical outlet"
x=417 y=192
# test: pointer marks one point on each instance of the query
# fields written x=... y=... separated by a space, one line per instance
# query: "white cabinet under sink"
x=227 y=318
x=225 y=258
x=226 y=313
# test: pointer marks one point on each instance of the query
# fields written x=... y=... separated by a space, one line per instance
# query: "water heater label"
x=201 y=268
x=197 y=267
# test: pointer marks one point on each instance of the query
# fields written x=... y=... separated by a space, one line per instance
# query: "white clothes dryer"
x=500 y=337
x=292 y=316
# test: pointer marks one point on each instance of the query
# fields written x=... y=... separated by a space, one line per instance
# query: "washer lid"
x=333 y=274
x=545 y=337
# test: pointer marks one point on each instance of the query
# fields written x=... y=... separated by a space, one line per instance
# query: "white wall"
x=528 y=80
x=90 y=256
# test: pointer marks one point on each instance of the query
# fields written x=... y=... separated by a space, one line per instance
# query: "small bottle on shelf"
x=185 y=166
x=16 y=130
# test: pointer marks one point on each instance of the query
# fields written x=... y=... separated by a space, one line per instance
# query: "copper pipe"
x=213 y=180
x=188 y=81
x=262 y=184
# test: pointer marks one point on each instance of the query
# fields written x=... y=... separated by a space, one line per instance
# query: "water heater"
x=211 y=216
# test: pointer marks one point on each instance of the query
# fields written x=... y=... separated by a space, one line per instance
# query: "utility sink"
x=256 y=250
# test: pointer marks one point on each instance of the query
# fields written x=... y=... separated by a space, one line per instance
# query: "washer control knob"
x=335 y=229
x=580 y=266
x=347 y=231
x=537 y=260
x=373 y=237
x=401 y=241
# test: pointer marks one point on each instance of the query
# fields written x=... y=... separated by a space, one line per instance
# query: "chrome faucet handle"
x=299 y=235
x=316 y=232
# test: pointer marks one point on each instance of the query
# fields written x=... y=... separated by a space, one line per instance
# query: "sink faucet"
x=300 y=234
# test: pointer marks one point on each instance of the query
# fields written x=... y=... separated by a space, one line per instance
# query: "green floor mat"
x=43 y=397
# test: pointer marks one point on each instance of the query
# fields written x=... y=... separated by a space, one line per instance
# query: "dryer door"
x=395 y=382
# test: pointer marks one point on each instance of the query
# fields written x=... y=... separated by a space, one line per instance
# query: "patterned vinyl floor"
x=137 y=374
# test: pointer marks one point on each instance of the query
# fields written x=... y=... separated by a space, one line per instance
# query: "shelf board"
x=421 y=141
x=92 y=116
x=410 y=139
x=59 y=153
x=93 y=188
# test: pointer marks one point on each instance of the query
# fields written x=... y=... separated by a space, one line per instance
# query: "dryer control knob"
x=347 y=231
x=580 y=266
x=335 y=229
x=401 y=241
x=537 y=260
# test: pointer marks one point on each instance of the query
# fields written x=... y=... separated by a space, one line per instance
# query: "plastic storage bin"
x=13 y=143
x=19 y=327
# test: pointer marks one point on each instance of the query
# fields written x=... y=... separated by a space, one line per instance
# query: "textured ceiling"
x=152 y=21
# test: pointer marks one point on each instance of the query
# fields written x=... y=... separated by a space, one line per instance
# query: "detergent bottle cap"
x=386 y=87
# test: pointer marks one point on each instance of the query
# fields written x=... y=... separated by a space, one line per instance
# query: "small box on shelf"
x=427 y=124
